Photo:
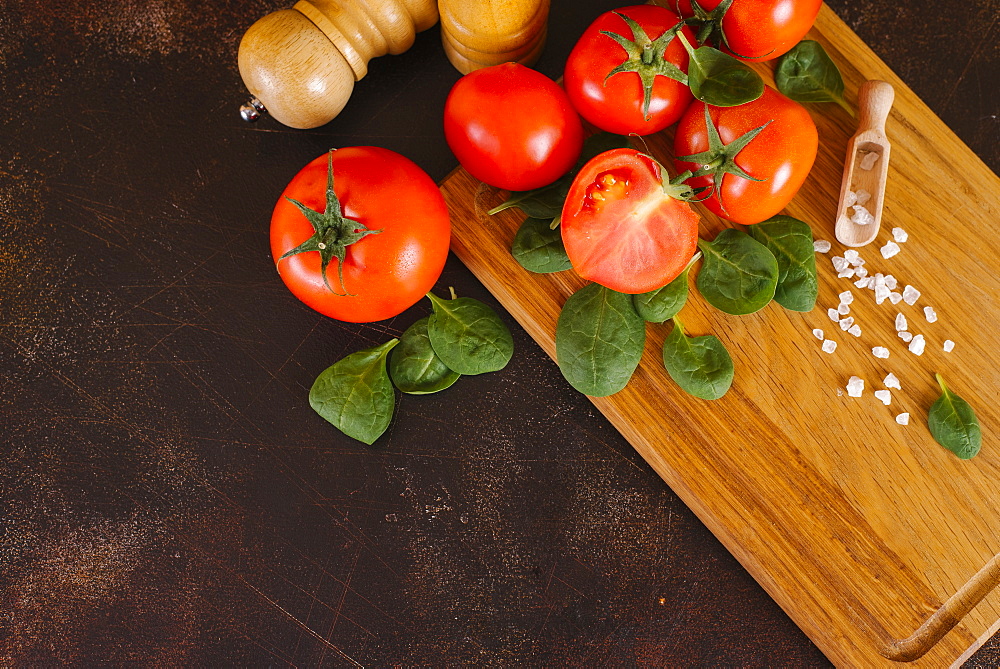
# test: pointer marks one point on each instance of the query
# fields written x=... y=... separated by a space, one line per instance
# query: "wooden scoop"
x=874 y=102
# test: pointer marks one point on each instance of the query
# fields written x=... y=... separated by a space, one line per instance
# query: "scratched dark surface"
x=168 y=498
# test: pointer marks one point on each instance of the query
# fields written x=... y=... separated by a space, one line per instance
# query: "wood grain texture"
x=477 y=34
x=860 y=528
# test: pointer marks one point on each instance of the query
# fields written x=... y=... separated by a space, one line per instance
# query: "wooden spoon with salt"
x=859 y=213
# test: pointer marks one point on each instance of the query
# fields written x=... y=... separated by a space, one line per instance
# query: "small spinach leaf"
x=953 y=423
x=413 y=365
x=739 y=275
x=791 y=242
x=701 y=366
x=718 y=79
x=537 y=247
x=662 y=304
x=599 y=340
x=547 y=201
x=807 y=74
x=355 y=394
x=468 y=336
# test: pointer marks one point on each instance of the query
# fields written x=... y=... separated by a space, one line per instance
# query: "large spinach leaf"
x=538 y=247
x=701 y=366
x=468 y=336
x=953 y=423
x=807 y=74
x=355 y=394
x=791 y=242
x=414 y=366
x=599 y=340
x=738 y=274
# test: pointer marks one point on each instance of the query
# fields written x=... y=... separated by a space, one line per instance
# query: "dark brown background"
x=167 y=495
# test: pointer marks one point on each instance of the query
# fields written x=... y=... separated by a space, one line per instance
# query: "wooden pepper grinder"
x=300 y=64
x=480 y=33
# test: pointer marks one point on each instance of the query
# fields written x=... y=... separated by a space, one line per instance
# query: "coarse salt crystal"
x=905 y=336
x=839 y=263
x=862 y=216
x=884 y=395
x=889 y=250
x=843 y=308
x=846 y=273
x=910 y=294
x=846 y=323
x=890 y=282
x=881 y=293
x=903 y=419
x=863 y=282
x=860 y=271
x=821 y=246
x=846 y=297
x=891 y=381
x=880 y=352
x=917 y=345
x=895 y=298
x=863 y=196
x=850 y=199
x=829 y=346
x=868 y=160
x=818 y=333
x=833 y=314
x=900 y=322
x=855 y=386
x=930 y=314
x=878 y=279
x=899 y=234
x=851 y=255
x=949 y=346
x=855 y=330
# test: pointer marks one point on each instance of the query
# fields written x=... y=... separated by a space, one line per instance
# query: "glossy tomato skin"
x=385 y=272
x=762 y=29
x=781 y=155
x=621 y=230
x=512 y=127
x=615 y=104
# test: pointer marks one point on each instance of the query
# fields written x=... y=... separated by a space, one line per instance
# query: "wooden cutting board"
x=863 y=530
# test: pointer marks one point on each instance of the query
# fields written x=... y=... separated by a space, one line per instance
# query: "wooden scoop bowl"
x=874 y=102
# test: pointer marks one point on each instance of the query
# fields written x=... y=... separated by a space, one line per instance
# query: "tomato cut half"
x=621 y=226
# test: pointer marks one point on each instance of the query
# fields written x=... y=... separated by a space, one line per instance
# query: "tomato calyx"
x=720 y=159
x=646 y=57
x=333 y=233
x=709 y=26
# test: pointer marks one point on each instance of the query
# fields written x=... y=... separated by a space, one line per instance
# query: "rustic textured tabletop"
x=167 y=496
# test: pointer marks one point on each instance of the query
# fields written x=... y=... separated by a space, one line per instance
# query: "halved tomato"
x=624 y=226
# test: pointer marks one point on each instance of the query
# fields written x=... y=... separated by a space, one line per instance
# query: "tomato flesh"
x=621 y=229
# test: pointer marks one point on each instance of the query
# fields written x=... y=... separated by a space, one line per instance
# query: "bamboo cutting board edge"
x=508 y=284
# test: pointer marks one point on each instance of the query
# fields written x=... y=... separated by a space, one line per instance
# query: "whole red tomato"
x=623 y=227
x=779 y=142
x=512 y=127
x=758 y=29
x=385 y=217
x=630 y=83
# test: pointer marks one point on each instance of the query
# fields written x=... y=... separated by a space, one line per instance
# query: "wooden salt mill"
x=300 y=64
x=480 y=33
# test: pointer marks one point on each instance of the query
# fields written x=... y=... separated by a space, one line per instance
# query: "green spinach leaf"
x=718 y=79
x=662 y=304
x=599 y=340
x=355 y=394
x=791 y=242
x=953 y=423
x=468 y=336
x=537 y=247
x=739 y=275
x=807 y=74
x=413 y=365
x=547 y=202
x=701 y=366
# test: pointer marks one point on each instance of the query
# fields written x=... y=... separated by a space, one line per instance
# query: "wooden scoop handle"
x=874 y=102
